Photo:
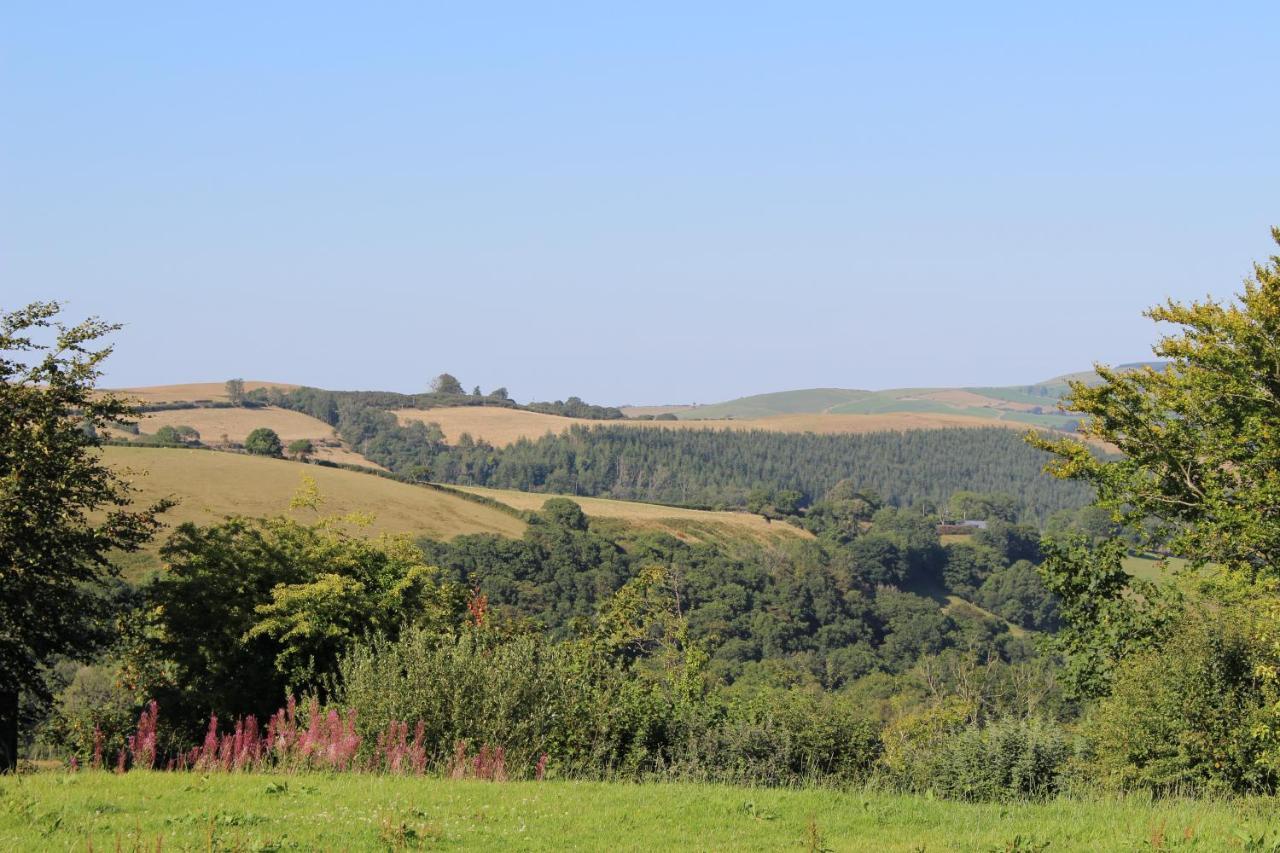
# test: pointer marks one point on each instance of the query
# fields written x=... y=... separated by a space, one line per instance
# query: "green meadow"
x=54 y=810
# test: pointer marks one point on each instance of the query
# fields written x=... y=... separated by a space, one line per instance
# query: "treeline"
x=723 y=467
x=326 y=405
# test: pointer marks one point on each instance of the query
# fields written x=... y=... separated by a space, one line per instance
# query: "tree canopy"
x=1199 y=436
x=61 y=509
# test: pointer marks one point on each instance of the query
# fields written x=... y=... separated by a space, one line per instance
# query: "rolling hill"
x=501 y=427
x=190 y=392
x=224 y=425
x=1027 y=405
x=210 y=485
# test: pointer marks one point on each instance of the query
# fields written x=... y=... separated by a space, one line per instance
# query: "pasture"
x=211 y=485
x=56 y=810
x=501 y=427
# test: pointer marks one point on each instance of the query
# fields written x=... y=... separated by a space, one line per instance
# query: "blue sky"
x=654 y=203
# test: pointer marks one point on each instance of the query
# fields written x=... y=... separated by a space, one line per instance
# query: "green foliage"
x=235 y=391
x=301 y=448
x=1106 y=613
x=446 y=383
x=264 y=441
x=248 y=609
x=975 y=505
x=1018 y=594
x=1198 y=713
x=175 y=436
x=1199 y=435
x=62 y=511
x=1007 y=758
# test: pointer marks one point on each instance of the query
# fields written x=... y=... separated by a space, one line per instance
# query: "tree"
x=446 y=384
x=1199 y=436
x=301 y=448
x=476 y=392
x=251 y=607
x=62 y=511
x=500 y=394
x=264 y=441
x=235 y=391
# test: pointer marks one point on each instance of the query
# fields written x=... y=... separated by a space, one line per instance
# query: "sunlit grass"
x=139 y=810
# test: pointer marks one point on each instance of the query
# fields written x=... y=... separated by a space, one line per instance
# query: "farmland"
x=153 y=811
x=223 y=425
x=211 y=485
x=502 y=427
x=188 y=392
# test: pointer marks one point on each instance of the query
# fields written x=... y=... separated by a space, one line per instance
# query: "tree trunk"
x=8 y=730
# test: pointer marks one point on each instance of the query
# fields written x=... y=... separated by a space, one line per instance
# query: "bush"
x=1008 y=758
x=945 y=750
x=780 y=737
x=1196 y=714
x=524 y=693
x=264 y=441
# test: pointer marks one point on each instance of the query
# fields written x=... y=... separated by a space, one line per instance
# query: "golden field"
x=211 y=485
x=236 y=424
x=500 y=426
x=191 y=391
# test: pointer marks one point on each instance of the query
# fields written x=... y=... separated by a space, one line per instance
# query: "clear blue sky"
x=633 y=202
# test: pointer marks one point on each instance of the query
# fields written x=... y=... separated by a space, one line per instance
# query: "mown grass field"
x=211 y=485
x=55 y=810
x=501 y=427
x=682 y=523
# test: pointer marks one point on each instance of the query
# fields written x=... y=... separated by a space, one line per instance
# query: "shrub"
x=264 y=441
x=1007 y=758
x=778 y=737
x=1197 y=713
x=301 y=447
x=944 y=749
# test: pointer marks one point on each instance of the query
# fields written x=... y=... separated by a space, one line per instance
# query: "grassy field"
x=191 y=391
x=501 y=427
x=156 y=811
x=217 y=426
x=1152 y=568
x=211 y=485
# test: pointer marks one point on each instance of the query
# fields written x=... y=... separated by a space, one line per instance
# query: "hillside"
x=211 y=485
x=1026 y=405
x=502 y=427
x=1016 y=405
x=190 y=392
x=702 y=525
x=222 y=425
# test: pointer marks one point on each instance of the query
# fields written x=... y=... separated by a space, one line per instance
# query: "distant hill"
x=1025 y=405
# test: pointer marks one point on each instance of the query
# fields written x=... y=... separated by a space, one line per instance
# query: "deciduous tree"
x=62 y=511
